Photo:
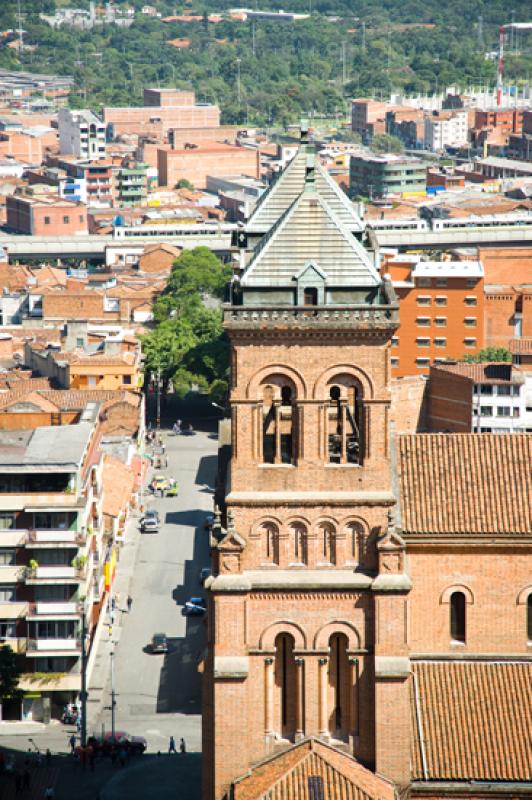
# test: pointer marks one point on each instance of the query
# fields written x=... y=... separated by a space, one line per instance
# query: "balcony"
x=13 y=610
x=12 y=574
x=17 y=645
x=58 y=682
x=54 y=574
x=13 y=537
x=41 y=611
x=54 y=647
x=47 y=537
x=39 y=501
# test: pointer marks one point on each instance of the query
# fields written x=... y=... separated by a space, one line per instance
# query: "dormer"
x=310 y=282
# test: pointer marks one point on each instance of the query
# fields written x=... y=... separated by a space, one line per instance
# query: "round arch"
x=465 y=590
x=273 y=370
x=352 y=371
x=270 y=634
x=522 y=597
x=322 y=637
x=263 y=522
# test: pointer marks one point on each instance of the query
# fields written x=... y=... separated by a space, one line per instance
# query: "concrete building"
x=442 y=311
x=368 y=117
x=446 y=129
x=45 y=216
x=388 y=175
x=177 y=109
x=131 y=184
x=479 y=398
x=52 y=557
x=82 y=134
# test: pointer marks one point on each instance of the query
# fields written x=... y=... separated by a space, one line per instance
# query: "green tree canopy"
x=384 y=143
x=9 y=674
x=489 y=354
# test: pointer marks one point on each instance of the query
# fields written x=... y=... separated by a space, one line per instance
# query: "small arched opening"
x=343 y=418
x=285 y=684
x=457 y=608
x=339 y=687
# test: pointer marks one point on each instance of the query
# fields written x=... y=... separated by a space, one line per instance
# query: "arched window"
x=300 y=550
x=328 y=543
x=529 y=617
x=310 y=296
x=277 y=426
x=339 y=687
x=356 y=542
x=285 y=680
x=458 y=616
x=270 y=533
x=344 y=425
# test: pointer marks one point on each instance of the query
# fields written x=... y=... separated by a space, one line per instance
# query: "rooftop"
x=448 y=269
x=489 y=372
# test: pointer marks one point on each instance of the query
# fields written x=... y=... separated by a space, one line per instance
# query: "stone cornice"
x=310 y=498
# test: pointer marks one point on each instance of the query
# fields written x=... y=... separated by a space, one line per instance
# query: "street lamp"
x=238 y=80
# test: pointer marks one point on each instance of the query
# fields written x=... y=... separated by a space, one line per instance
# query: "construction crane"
x=500 y=64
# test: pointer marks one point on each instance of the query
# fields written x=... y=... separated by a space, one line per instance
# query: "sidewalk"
x=125 y=569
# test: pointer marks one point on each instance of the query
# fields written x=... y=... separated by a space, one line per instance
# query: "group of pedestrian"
x=172 y=747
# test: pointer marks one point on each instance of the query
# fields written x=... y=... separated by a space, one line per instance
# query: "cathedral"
x=370 y=610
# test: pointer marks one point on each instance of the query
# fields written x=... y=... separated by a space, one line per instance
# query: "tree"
x=184 y=183
x=489 y=354
x=9 y=674
x=384 y=143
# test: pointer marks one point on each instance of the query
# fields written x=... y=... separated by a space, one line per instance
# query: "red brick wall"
x=139 y=120
x=450 y=402
x=195 y=165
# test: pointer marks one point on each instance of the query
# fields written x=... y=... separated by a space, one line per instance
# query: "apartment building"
x=376 y=176
x=368 y=117
x=441 y=312
x=131 y=184
x=95 y=178
x=446 y=129
x=81 y=134
x=479 y=398
x=52 y=558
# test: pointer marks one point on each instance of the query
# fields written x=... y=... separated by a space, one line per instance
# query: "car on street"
x=159 y=643
x=159 y=484
x=195 y=607
x=173 y=488
x=150 y=522
x=205 y=572
x=135 y=745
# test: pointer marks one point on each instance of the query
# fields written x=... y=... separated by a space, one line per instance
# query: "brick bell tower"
x=307 y=610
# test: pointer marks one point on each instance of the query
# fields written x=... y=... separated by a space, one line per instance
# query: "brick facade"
x=196 y=163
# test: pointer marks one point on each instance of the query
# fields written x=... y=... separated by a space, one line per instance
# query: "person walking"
x=72 y=743
x=129 y=602
x=26 y=778
x=48 y=757
x=182 y=746
x=171 y=746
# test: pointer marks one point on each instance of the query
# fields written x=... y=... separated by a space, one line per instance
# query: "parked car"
x=205 y=572
x=173 y=488
x=136 y=745
x=159 y=643
x=195 y=607
x=150 y=522
x=159 y=484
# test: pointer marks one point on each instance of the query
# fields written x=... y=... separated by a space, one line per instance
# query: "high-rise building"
x=82 y=134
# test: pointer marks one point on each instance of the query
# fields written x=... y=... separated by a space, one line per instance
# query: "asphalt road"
x=160 y=695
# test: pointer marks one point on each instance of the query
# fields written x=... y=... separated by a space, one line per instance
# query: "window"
x=470 y=322
x=529 y=617
x=7 y=556
x=422 y=342
x=504 y=390
x=395 y=341
x=423 y=300
x=486 y=411
x=440 y=322
x=470 y=300
x=471 y=283
x=422 y=363
x=299 y=533
x=8 y=593
x=66 y=220
x=394 y=361
x=470 y=342
x=441 y=283
x=441 y=300
x=310 y=296
x=504 y=411
x=515 y=412
x=7 y=521
x=8 y=629
x=486 y=388
x=81 y=218
x=439 y=342
x=328 y=542
x=126 y=379
x=423 y=322
x=47 y=220
x=458 y=617
x=423 y=283
x=515 y=391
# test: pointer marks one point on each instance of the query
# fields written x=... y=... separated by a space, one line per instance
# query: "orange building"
x=46 y=216
x=441 y=311
x=213 y=158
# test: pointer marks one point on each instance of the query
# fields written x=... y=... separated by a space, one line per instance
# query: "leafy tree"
x=9 y=674
x=489 y=354
x=183 y=183
x=384 y=143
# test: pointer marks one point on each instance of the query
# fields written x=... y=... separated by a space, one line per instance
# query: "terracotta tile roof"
x=65 y=399
x=118 y=485
x=521 y=346
x=287 y=776
x=465 y=483
x=476 y=721
x=492 y=372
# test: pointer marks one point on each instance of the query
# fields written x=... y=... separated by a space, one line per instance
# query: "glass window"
x=470 y=342
x=423 y=322
x=47 y=220
x=423 y=283
x=470 y=322
x=470 y=300
x=441 y=283
x=471 y=283
x=441 y=300
x=486 y=388
x=423 y=300
x=7 y=593
x=7 y=556
x=440 y=322
x=422 y=342
x=516 y=412
x=515 y=391
x=504 y=390
x=395 y=362
x=8 y=629
x=7 y=521
x=486 y=411
x=395 y=341
x=440 y=342
x=503 y=411
x=422 y=362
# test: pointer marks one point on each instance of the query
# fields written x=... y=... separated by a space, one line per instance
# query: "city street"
x=157 y=695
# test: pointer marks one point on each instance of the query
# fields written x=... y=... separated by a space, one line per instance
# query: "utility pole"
x=158 y=398
x=238 y=95
x=113 y=695
x=363 y=37
x=344 y=72
x=253 y=37
x=83 y=694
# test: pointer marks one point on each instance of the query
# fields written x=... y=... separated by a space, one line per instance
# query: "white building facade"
x=82 y=134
